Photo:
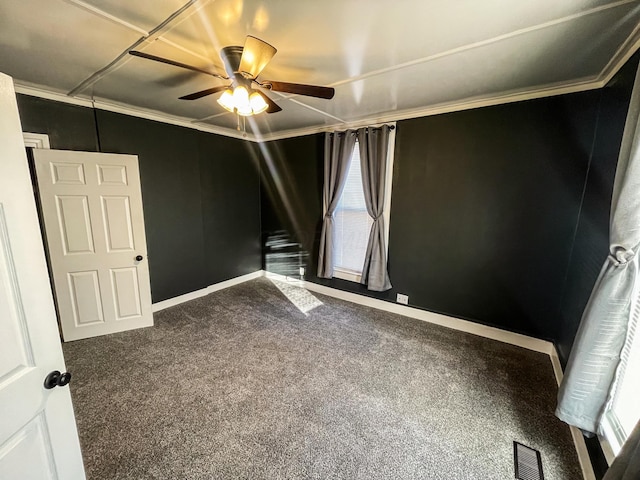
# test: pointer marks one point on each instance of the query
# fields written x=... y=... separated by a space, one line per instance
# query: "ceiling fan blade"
x=148 y=56
x=255 y=56
x=273 y=106
x=300 y=89
x=204 y=93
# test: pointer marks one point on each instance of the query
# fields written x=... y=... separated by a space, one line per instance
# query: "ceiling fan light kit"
x=243 y=65
x=239 y=101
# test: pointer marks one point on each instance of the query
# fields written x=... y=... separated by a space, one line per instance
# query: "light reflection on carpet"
x=299 y=296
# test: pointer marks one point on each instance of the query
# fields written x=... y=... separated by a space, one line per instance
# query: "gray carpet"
x=242 y=384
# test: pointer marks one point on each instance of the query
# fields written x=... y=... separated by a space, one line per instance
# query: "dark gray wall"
x=485 y=208
x=485 y=203
x=230 y=186
x=200 y=191
x=170 y=179
x=291 y=203
x=591 y=244
x=69 y=127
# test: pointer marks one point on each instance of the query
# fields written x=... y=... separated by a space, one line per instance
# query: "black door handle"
x=139 y=258
x=57 y=379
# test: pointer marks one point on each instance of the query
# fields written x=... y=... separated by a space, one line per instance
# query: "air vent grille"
x=528 y=463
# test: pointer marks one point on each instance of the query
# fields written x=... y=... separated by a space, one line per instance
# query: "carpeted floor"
x=242 y=384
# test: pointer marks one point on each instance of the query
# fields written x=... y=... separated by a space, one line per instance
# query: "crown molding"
x=626 y=50
x=26 y=88
x=449 y=107
x=624 y=53
x=110 y=106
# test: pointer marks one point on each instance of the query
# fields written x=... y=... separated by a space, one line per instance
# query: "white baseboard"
x=485 y=331
x=557 y=367
x=578 y=438
x=156 y=307
x=583 y=454
x=493 y=333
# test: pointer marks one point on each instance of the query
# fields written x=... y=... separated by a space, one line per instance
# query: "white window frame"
x=613 y=435
x=350 y=275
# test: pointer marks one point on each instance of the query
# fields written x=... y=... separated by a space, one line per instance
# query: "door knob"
x=57 y=379
x=139 y=258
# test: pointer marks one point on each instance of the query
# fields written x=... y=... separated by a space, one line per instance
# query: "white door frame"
x=36 y=140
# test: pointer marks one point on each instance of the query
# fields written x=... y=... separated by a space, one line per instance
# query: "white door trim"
x=36 y=140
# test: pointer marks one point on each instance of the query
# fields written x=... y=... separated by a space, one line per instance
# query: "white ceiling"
x=387 y=59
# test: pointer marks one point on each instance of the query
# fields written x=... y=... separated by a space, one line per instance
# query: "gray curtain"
x=594 y=358
x=626 y=466
x=374 y=147
x=338 y=147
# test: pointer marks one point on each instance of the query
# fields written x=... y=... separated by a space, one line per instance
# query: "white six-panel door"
x=92 y=210
x=38 y=437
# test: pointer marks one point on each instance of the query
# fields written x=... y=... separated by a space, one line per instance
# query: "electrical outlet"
x=404 y=299
x=302 y=271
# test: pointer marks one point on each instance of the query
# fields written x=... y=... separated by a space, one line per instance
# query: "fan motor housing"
x=231 y=57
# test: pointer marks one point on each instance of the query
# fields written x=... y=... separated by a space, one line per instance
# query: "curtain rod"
x=391 y=127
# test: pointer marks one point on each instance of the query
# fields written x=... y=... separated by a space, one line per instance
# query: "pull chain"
x=244 y=123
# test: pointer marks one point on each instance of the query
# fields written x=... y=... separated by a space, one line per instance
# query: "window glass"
x=352 y=223
x=623 y=413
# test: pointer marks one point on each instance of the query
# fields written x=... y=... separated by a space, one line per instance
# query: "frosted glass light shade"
x=240 y=96
x=258 y=105
x=239 y=101
x=226 y=100
x=255 y=56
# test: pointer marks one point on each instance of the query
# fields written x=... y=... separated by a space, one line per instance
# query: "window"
x=622 y=412
x=352 y=223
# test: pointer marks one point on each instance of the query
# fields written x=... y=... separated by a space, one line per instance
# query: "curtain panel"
x=337 y=157
x=374 y=149
x=595 y=356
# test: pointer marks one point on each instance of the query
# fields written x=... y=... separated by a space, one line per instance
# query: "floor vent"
x=528 y=462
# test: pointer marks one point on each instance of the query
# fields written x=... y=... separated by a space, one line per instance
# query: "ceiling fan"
x=243 y=66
